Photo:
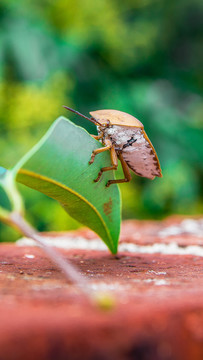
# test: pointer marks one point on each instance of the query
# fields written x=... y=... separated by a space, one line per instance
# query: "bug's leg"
x=126 y=172
x=98 y=151
x=97 y=137
x=114 y=162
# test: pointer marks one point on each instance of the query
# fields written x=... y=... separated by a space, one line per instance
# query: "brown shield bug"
x=124 y=136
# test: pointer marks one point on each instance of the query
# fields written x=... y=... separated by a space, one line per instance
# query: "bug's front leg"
x=97 y=137
x=114 y=162
x=108 y=146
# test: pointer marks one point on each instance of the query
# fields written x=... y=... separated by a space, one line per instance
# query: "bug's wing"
x=116 y=117
x=141 y=157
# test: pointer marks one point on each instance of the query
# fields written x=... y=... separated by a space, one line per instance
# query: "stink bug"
x=124 y=136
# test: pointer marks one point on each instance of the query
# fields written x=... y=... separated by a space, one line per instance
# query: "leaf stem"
x=66 y=267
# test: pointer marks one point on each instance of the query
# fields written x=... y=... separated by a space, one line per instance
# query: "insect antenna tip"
x=94 y=121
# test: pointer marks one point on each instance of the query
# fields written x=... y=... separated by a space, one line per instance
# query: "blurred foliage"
x=140 y=56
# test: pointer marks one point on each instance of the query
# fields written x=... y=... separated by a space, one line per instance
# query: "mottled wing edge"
x=155 y=155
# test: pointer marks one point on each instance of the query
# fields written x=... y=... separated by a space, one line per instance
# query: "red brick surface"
x=158 y=312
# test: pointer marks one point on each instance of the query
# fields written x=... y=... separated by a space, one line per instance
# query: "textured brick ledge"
x=159 y=299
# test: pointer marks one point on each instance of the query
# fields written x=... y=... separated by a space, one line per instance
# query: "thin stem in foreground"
x=68 y=269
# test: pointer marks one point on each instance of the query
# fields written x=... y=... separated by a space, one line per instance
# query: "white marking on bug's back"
x=120 y=134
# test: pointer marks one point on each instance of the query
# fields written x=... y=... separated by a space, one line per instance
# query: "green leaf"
x=58 y=166
x=10 y=200
x=5 y=205
x=2 y=172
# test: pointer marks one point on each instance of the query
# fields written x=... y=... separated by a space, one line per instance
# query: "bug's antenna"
x=93 y=120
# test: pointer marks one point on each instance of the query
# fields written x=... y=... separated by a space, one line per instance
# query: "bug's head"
x=92 y=119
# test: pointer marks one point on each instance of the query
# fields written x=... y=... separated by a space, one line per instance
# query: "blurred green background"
x=139 y=56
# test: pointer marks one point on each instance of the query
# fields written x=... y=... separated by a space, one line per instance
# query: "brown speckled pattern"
x=136 y=149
